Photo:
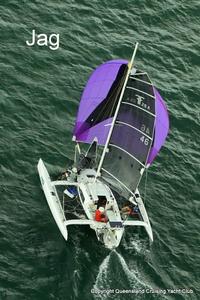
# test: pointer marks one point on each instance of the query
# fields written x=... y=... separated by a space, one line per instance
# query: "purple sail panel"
x=99 y=131
x=96 y=90
x=161 y=126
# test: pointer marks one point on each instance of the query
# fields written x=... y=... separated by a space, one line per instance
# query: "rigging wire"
x=145 y=185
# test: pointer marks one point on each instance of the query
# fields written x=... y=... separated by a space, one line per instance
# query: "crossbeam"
x=64 y=182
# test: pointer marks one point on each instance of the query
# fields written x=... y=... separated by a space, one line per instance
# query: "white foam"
x=140 y=246
x=105 y=278
x=132 y=275
x=102 y=279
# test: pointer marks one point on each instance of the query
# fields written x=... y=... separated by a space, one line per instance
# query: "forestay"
x=132 y=136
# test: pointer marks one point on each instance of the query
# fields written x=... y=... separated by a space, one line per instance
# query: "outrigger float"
x=125 y=121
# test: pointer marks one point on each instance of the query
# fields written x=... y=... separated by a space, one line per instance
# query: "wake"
x=114 y=273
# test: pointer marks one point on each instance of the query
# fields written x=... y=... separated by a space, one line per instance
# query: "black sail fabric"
x=107 y=107
x=132 y=136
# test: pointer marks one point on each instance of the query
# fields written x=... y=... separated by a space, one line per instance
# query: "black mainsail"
x=130 y=141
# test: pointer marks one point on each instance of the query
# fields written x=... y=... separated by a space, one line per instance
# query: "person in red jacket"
x=100 y=216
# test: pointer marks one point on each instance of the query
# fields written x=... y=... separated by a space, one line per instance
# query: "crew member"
x=127 y=210
x=100 y=216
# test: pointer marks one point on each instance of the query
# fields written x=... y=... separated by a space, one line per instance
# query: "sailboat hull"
x=52 y=199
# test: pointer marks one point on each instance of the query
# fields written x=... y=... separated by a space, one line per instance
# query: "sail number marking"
x=145 y=129
x=144 y=140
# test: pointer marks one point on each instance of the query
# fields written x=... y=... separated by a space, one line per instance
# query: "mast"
x=130 y=65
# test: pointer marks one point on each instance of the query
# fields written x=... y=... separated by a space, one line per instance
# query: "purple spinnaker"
x=161 y=126
x=99 y=131
x=96 y=90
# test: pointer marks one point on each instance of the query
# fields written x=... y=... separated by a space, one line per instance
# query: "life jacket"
x=98 y=216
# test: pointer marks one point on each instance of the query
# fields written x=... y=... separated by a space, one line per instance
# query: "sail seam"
x=130 y=87
x=123 y=123
x=148 y=112
x=127 y=153
x=118 y=180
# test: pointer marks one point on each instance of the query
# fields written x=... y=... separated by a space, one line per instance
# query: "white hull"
x=52 y=199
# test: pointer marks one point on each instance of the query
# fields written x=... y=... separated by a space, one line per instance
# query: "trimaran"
x=124 y=119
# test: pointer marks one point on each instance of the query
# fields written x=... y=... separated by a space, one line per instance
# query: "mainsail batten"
x=131 y=155
x=123 y=123
x=127 y=103
x=137 y=79
x=130 y=87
